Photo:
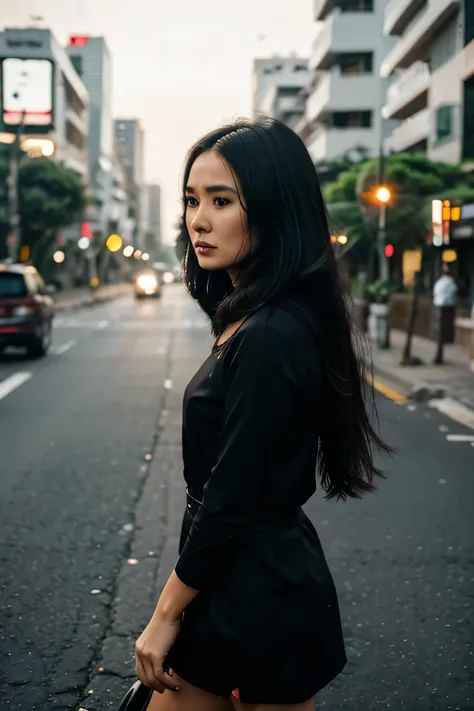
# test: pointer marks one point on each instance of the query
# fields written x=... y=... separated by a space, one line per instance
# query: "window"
x=352 y=119
x=352 y=64
x=444 y=123
x=12 y=285
x=468 y=139
x=300 y=68
x=77 y=64
x=356 y=5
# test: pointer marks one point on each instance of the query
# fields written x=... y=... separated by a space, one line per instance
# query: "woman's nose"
x=200 y=222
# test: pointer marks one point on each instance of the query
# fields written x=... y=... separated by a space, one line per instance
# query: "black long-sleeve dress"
x=266 y=620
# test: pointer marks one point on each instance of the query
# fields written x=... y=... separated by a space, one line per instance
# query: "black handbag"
x=137 y=698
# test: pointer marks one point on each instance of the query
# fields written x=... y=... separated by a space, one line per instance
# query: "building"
x=91 y=59
x=277 y=86
x=154 y=236
x=433 y=65
x=51 y=95
x=129 y=142
x=343 y=107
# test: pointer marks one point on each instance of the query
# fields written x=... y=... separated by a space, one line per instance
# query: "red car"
x=26 y=309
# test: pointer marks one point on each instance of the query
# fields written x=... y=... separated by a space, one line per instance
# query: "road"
x=80 y=442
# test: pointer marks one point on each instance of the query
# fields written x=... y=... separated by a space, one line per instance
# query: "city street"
x=90 y=507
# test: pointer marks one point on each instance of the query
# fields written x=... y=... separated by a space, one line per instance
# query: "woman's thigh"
x=305 y=706
x=189 y=698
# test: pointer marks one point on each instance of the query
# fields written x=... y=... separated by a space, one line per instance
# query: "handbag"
x=137 y=698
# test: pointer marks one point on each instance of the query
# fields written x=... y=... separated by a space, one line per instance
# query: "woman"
x=279 y=398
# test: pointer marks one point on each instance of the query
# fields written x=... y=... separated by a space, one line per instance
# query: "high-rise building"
x=343 y=108
x=91 y=59
x=129 y=142
x=154 y=212
x=433 y=66
x=277 y=85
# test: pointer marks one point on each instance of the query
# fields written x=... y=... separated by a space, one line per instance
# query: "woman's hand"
x=151 y=649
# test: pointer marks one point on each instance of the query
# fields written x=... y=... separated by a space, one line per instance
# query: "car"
x=147 y=282
x=26 y=309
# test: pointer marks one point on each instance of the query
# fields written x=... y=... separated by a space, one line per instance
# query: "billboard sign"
x=27 y=88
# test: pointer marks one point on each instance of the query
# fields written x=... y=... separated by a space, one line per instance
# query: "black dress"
x=266 y=620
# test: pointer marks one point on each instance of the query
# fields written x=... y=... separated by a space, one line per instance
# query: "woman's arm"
x=259 y=372
x=174 y=599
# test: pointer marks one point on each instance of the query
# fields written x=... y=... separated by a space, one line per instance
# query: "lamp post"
x=383 y=196
x=14 y=238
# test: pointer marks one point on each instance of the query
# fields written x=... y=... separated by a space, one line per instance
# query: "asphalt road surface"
x=76 y=431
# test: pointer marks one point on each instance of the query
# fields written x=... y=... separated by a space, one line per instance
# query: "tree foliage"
x=414 y=181
x=51 y=197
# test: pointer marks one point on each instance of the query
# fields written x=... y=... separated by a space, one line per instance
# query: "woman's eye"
x=190 y=201
x=221 y=202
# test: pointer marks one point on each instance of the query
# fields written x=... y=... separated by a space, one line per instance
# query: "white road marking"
x=460 y=438
x=63 y=348
x=455 y=410
x=103 y=324
x=12 y=383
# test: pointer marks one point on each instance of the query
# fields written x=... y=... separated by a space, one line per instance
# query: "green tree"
x=414 y=181
x=51 y=197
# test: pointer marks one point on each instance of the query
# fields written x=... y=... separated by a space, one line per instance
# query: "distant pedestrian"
x=444 y=300
x=249 y=618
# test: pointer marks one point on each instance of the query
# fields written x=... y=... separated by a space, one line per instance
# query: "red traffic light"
x=389 y=250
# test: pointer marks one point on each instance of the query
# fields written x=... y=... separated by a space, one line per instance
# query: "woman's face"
x=216 y=221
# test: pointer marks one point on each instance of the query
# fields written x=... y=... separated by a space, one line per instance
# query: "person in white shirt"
x=444 y=299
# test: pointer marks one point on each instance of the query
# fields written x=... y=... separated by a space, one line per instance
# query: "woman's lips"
x=204 y=249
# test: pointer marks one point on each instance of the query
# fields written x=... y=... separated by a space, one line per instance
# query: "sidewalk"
x=453 y=380
x=78 y=298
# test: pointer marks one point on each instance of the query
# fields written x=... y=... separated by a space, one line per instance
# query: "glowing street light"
x=59 y=256
x=83 y=243
x=342 y=239
x=128 y=251
x=138 y=254
x=145 y=256
x=383 y=194
x=114 y=243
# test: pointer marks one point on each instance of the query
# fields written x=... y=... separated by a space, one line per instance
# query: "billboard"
x=27 y=87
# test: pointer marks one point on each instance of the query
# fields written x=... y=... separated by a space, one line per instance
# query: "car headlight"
x=23 y=311
x=168 y=277
x=147 y=281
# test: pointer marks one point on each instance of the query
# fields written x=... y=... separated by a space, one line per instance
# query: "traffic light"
x=389 y=250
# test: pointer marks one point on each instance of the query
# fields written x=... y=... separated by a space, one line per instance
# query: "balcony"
x=409 y=94
x=399 y=14
x=412 y=132
x=338 y=92
x=333 y=143
x=343 y=32
x=414 y=44
x=76 y=120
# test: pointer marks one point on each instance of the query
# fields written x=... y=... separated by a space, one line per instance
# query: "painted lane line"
x=12 y=383
x=63 y=348
x=103 y=324
x=455 y=410
x=460 y=438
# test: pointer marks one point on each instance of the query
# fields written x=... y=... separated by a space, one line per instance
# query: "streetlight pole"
x=384 y=271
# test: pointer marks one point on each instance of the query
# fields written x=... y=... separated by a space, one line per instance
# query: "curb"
x=88 y=301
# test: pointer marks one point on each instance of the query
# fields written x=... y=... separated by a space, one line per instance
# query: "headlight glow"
x=147 y=281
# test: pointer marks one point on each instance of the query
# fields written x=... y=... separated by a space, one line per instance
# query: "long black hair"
x=291 y=259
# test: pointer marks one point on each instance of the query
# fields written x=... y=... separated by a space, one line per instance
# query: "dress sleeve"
x=260 y=386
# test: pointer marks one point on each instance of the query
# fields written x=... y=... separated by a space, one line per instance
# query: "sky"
x=182 y=67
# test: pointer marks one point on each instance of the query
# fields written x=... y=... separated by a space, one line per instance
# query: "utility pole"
x=14 y=238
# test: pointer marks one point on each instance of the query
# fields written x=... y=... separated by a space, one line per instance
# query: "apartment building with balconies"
x=344 y=99
x=277 y=86
x=432 y=64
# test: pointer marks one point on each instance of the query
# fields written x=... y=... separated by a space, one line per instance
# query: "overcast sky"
x=181 y=66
